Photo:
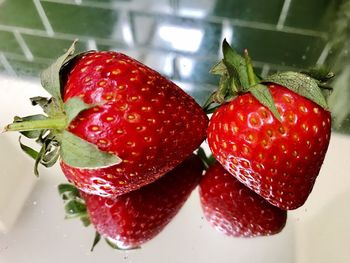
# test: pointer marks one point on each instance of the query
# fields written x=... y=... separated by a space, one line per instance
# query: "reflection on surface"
x=180 y=38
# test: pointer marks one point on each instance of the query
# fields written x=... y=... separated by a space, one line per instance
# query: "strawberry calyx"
x=75 y=207
x=49 y=129
x=238 y=77
x=207 y=160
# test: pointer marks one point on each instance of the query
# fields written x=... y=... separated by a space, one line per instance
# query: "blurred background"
x=182 y=40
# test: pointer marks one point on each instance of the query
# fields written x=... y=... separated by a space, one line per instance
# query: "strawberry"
x=235 y=210
x=272 y=135
x=119 y=124
x=136 y=217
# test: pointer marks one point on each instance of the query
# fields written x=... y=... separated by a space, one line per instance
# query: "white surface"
x=17 y=180
x=316 y=233
x=16 y=169
x=323 y=228
x=42 y=235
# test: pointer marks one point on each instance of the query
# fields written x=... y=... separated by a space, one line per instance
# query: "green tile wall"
x=112 y=46
x=256 y=25
x=279 y=47
x=26 y=68
x=252 y=10
x=81 y=20
x=8 y=43
x=20 y=13
x=48 y=47
x=311 y=14
x=280 y=34
x=200 y=69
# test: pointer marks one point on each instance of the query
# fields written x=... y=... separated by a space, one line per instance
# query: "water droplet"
x=303 y=57
x=35 y=202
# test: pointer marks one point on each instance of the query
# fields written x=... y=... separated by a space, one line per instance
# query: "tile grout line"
x=22 y=30
x=91 y=44
x=215 y=19
x=126 y=28
x=66 y=36
x=44 y=18
x=46 y=60
x=283 y=15
x=7 y=65
x=324 y=54
x=265 y=70
x=270 y=27
x=27 y=53
x=82 y=3
x=255 y=62
x=17 y=57
x=305 y=32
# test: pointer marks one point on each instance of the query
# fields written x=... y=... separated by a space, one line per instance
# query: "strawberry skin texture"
x=278 y=160
x=136 y=217
x=235 y=210
x=143 y=118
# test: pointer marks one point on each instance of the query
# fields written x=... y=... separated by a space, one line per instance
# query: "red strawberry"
x=271 y=138
x=136 y=217
x=235 y=210
x=278 y=160
x=149 y=122
x=129 y=111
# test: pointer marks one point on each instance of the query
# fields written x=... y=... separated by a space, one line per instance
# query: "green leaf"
x=219 y=68
x=223 y=89
x=112 y=244
x=41 y=101
x=209 y=101
x=85 y=220
x=79 y=153
x=321 y=73
x=31 y=152
x=263 y=95
x=211 y=160
x=34 y=133
x=75 y=208
x=52 y=154
x=252 y=77
x=236 y=66
x=212 y=110
x=300 y=84
x=50 y=78
x=68 y=190
x=43 y=136
x=38 y=159
x=74 y=106
x=49 y=105
x=96 y=240
x=208 y=161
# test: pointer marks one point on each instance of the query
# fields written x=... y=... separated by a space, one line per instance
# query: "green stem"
x=50 y=124
x=250 y=70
